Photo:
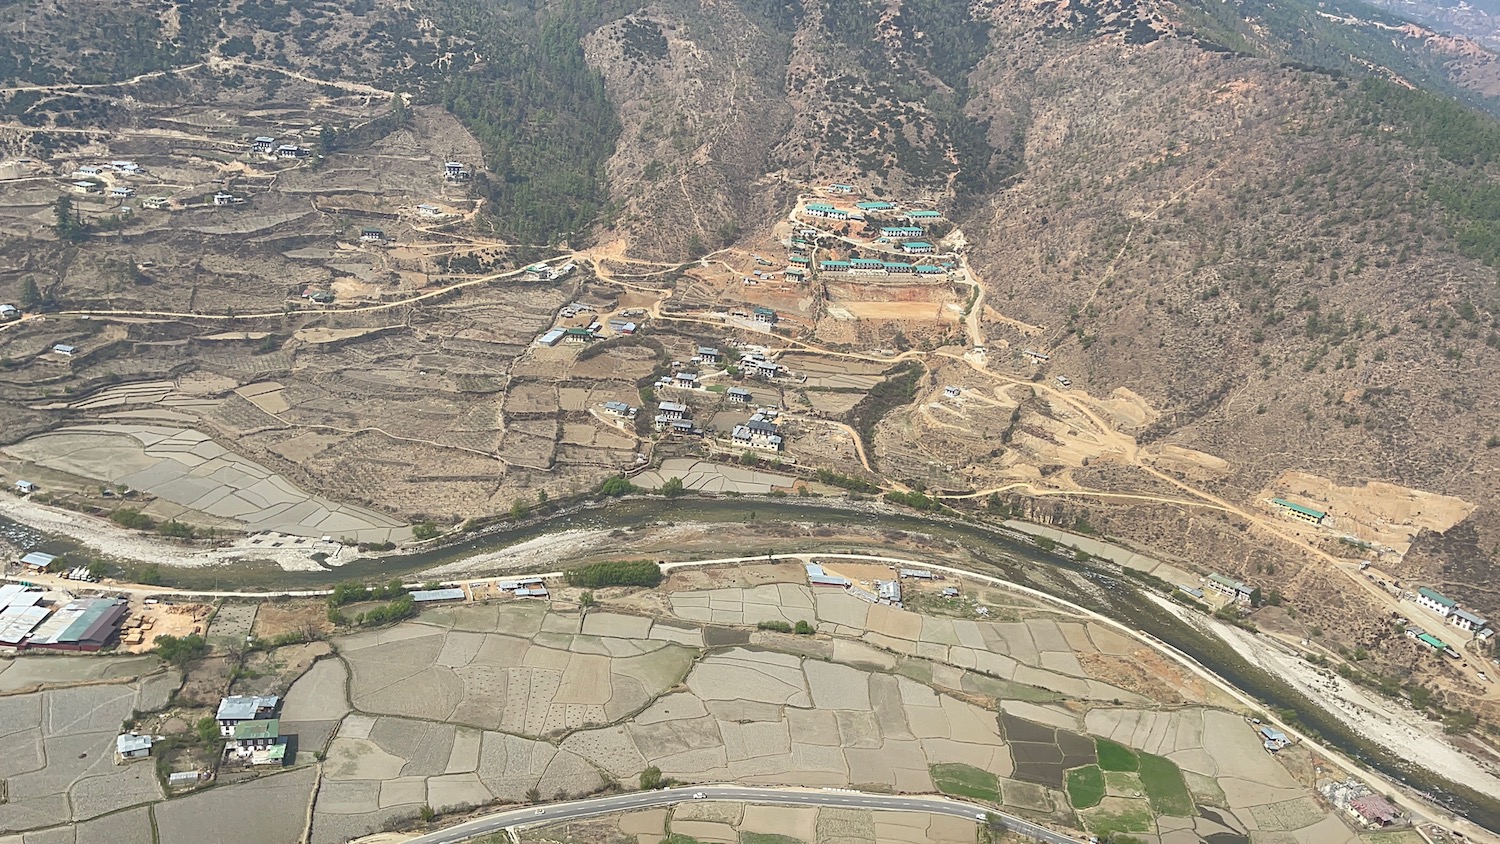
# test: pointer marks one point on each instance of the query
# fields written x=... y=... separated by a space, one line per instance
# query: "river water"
x=1096 y=585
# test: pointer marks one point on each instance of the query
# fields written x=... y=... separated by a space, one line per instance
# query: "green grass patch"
x=716 y=388
x=1165 y=786
x=1114 y=756
x=966 y=781
x=767 y=838
x=1085 y=786
x=1120 y=816
x=1007 y=689
x=676 y=838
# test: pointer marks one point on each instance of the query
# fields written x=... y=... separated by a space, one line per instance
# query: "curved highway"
x=840 y=798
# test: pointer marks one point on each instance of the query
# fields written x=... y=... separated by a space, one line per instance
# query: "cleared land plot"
x=269 y=810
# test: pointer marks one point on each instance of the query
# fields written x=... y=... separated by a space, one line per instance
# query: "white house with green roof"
x=1436 y=601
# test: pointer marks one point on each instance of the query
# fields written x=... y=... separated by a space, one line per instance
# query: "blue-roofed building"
x=925 y=269
x=874 y=206
x=834 y=266
x=826 y=211
x=866 y=266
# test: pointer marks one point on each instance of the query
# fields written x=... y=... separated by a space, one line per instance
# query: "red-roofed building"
x=1374 y=810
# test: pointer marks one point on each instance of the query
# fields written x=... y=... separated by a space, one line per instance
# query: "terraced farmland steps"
x=841 y=798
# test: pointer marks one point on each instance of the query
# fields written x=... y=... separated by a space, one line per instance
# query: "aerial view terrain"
x=749 y=422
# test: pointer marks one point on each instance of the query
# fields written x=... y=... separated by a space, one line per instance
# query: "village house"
x=371 y=235
x=9 y=312
x=673 y=410
x=1230 y=588
x=85 y=187
x=1372 y=810
x=1300 y=512
x=1436 y=601
x=238 y=709
x=155 y=203
x=917 y=247
x=122 y=192
x=764 y=368
x=737 y=395
x=263 y=145
x=130 y=746
x=620 y=409
x=685 y=380
x=257 y=743
x=290 y=151
x=454 y=171
x=708 y=354
x=88 y=170
x=765 y=315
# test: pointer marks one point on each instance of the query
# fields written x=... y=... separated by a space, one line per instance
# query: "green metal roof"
x=819 y=206
x=1433 y=641
x=916 y=244
x=1298 y=508
x=267 y=729
x=1436 y=597
x=923 y=214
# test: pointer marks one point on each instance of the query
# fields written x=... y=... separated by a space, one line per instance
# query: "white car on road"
x=698 y=795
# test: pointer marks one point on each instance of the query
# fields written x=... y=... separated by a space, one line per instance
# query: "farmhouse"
x=85 y=187
x=155 y=203
x=371 y=235
x=921 y=216
x=9 y=312
x=1299 y=512
x=221 y=198
x=257 y=743
x=1436 y=601
x=122 y=192
x=952 y=392
x=620 y=409
x=708 y=354
x=287 y=151
x=817 y=577
x=1230 y=588
x=1272 y=738
x=917 y=247
x=64 y=349
x=673 y=410
x=86 y=624
x=765 y=315
x=685 y=380
x=454 y=171
x=889 y=592
x=130 y=746
x=737 y=395
x=1374 y=811
x=900 y=232
x=263 y=145
x=765 y=369
x=1465 y=620
x=239 y=709
x=430 y=211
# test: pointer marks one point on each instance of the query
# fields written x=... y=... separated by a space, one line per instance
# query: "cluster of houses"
x=1452 y=613
x=251 y=730
x=886 y=591
x=267 y=146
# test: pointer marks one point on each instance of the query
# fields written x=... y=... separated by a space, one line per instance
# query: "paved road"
x=780 y=796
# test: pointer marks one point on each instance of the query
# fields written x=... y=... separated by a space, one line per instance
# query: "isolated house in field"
x=239 y=709
x=372 y=235
x=1273 y=739
x=263 y=145
x=620 y=409
x=429 y=211
x=129 y=746
x=1300 y=512
x=9 y=312
x=1436 y=601
x=455 y=171
x=65 y=350
x=952 y=392
x=257 y=743
x=222 y=199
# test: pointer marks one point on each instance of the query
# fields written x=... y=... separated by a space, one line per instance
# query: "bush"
x=616 y=486
x=620 y=573
x=804 y=629
x=651 y=778
x=132 y=518
x=424 y=531
x=673 y=488
x=915 y=500
x=181 y=650
x=775 y=626
x=833 y=478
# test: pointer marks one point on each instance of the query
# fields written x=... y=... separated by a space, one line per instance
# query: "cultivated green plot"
x=767 y=838
x=962 y=780
x=1114 y=756
x=1123 y=784
x=1085 y=786
x=1165 y=786
x=1119 y=814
